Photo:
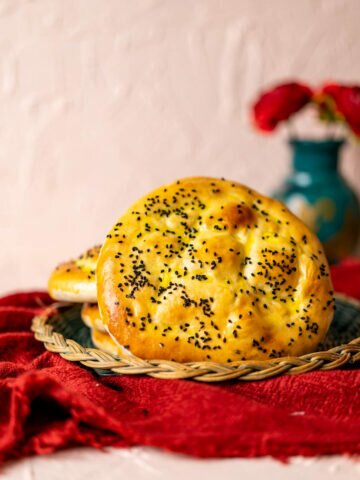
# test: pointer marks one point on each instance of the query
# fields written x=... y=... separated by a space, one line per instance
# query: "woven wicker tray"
x=61 y=330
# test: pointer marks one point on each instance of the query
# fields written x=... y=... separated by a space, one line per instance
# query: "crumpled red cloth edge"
x=48 y=403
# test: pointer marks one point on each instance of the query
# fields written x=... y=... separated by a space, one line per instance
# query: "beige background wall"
x=102 y=100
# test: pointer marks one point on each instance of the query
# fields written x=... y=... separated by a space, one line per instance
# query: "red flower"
x=346 y=99
x=279 y=104
x=332 y=89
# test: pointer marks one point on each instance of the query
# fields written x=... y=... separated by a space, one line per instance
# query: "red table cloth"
x=48 y=403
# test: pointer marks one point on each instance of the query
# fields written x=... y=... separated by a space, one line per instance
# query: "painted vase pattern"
x=318 y=194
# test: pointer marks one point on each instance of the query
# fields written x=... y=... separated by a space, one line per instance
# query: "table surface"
x=142 y=463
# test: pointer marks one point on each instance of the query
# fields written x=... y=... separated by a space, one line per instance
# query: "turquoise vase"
x=317 y=193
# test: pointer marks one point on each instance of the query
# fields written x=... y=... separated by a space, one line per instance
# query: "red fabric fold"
x=48 y=403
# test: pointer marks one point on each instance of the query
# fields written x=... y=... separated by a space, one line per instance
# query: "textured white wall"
x=102 y=100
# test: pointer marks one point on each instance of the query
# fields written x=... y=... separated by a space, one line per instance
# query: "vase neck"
x=315 y=155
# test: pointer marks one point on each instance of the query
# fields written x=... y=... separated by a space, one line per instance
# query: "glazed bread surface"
x=104 y=342
x=208 y=269
x=74 y=280
x=90 y=315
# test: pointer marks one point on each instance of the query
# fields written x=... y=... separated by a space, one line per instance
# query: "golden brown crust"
x=104 y=342
x=74 y=281
x=207 y=269
x=90 y=315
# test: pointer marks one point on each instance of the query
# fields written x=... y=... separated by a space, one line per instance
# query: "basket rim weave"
x=129 y=364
